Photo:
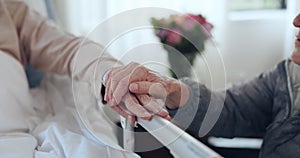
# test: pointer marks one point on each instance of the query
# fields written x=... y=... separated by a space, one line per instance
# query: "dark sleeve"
x=282 y=139
x=242 y=110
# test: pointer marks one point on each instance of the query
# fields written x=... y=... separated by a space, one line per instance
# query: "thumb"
x=152 y=88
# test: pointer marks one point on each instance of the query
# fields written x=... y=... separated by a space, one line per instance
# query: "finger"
x=106 y=98
x=108 y=75
x=168 y=118
x=154 y=89
x=120 y=82
x=142 y=87
x=120 y=90
x=124 y=108
x=131 y=117
x=152 y=105
x=142 y=73
x=120 y=111
x=132 y=120
x=108 y=83
x=134 y=107
x=113 y=81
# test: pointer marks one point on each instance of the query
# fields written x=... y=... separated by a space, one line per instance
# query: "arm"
x=32 y=39
x=48 y=48
x=241 y=110
x=248 y=107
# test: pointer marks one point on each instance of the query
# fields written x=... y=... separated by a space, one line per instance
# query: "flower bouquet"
x=185 y=34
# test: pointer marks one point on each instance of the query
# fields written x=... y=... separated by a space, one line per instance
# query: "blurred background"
x=249 y=37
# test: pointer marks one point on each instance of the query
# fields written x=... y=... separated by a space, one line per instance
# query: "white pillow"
x=17 y=145
x=15 y=99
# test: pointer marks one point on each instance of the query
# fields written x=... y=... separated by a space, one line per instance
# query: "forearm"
x=239 y=111
x=49 y=48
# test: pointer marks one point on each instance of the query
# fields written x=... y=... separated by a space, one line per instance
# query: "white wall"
x=254 y=42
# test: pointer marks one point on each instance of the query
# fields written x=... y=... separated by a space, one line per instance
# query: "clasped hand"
x=133 y=91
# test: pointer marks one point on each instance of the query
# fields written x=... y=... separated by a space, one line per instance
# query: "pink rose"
x=174 y=36
x=189 y=24
x=162 y=33
x=198 y=18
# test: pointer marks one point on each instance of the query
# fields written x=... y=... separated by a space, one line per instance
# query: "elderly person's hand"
x=142 y=106
x=117 y=93
x=173 y=92
x=144 y=83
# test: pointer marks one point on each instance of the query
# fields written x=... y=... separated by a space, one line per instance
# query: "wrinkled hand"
x=117 y=93
x=141 y=106
x=171 y=91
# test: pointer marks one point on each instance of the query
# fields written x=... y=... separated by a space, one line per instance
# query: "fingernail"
x=134 y=86
x=147 y=118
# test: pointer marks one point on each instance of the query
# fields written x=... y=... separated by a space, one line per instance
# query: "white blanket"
x=48 y=124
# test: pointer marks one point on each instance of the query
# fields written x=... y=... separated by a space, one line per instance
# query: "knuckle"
x=144 y=98
x=142 y=69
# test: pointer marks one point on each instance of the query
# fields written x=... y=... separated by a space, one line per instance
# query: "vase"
x=181 y=63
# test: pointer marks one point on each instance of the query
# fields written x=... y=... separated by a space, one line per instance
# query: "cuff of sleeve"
x=99 y=79
x=104 y=77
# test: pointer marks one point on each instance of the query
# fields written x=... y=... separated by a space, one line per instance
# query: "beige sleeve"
x=50 y=49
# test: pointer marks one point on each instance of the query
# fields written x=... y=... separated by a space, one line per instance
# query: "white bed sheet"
x=58 y=130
